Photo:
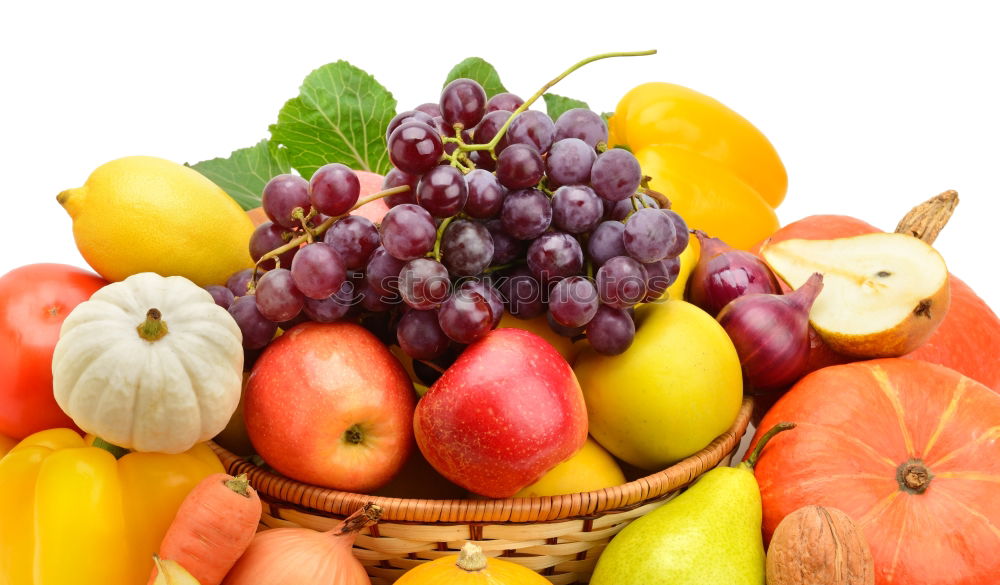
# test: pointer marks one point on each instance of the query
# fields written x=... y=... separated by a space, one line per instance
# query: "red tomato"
x=34 y=300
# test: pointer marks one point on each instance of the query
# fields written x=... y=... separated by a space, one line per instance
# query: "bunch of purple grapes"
x=505 y=209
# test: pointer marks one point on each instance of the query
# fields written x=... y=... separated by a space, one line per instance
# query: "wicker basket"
x=559 y=536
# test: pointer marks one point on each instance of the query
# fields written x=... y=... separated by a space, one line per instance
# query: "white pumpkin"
x=150 y=363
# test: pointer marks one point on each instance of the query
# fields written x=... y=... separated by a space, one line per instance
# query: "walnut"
x=819 y=546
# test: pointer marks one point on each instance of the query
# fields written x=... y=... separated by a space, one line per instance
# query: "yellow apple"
x=677 y=388
x=591 y=468
x=540 y=327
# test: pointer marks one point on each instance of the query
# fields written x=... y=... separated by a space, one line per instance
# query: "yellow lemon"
x=147 y=214
x=670 y=394
x=591 y=468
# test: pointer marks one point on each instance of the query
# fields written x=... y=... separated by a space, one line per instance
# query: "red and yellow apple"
x=327 y=404
x=507 y=411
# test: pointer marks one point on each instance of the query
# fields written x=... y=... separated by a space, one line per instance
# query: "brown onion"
x=723 y=274
x=771 y=334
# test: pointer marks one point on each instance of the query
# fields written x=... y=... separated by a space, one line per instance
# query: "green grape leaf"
x=340 y=116
x=555 y=105
x=246 y=171
x=478 y=70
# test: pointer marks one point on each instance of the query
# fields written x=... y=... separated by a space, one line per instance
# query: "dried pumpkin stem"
x=471 y=558
x=154 y=327
x=925 y=221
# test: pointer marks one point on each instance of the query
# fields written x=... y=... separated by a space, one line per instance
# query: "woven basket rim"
x=281 y=490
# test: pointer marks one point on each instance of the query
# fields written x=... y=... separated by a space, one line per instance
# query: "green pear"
x=709 y=534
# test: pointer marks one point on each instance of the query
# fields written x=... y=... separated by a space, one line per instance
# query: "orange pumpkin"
x=968 y=339
x=909 y=450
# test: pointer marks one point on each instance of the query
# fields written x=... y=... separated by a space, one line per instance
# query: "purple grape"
x=277 y=298
x=533 y=128
x=487 y=129
x=407 y=116
x=526 y=214
x=355 y=238
x=282 y=195
x=419 y=335
x=616 y=174
x=573 y=301
x=583 y=124
x=466 y=247
x=415 y=147
x=621 y=282
x=569 y=162
x=257 y=330
x=503 y=101
x=680 y=231
x=238 y=282
x=659 y=276
x=463 y=101
x=505 y=248
x=382 y=271
x=522 y=293
x=555 y=255
x=221 y=295
x=374 y=301
x=334 y=189
x=576 y=209
x=649 y=235
x=318 y=270
x=520 y=166
x=265 y=238
x=611 y=331
x=442 y=191
x=465 y=316
x=606 y=242
x=560 y=329
x=423 y=283
x=334 y=307
x=492 y=296
x=398 y=178
x=430 y=108
x=408 y=231
x=483 y=160
x=485 y=194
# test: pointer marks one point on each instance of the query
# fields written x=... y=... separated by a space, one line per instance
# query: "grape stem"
x=440 y=234
x=492 y=144
x=319 y=230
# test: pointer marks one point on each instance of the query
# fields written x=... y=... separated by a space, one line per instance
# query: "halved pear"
x=883 y=294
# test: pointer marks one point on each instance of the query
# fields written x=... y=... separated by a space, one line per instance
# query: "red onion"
x=771 y=334
x=723 y=274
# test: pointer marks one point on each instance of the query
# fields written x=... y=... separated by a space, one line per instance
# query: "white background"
x=872 y=106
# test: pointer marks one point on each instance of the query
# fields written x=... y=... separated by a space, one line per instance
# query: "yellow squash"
x=471 y=567
x=73 y=514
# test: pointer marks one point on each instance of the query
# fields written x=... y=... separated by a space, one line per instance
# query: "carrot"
x=214 y=525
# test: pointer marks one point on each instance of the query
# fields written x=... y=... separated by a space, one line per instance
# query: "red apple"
x=371 y=183
x=507 y=411
x=327 y=404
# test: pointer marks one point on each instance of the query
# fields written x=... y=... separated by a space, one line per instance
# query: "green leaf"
x=340 y=116
x=606 y=116
x=246 y=171
x=479 y=70
x=555 y=105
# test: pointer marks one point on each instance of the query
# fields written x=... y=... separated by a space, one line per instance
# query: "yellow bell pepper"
x=71 y=513
x=719 y=171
